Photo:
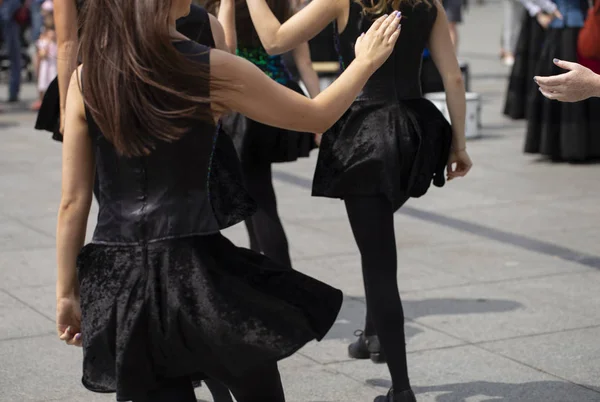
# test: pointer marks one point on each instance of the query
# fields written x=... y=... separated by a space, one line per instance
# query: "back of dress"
x=399 y=77
x=191 y=186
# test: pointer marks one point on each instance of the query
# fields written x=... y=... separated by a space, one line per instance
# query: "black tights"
x=261 y=385
x=264 y=227
x=372 y=222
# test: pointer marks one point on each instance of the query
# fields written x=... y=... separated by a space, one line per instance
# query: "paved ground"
x=500 y=272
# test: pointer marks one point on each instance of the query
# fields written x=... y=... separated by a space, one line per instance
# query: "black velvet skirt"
x=257 y=142
x=48 y=118
x=198 y=307
x=384 y=148
x=561 y=131
x=527 y=55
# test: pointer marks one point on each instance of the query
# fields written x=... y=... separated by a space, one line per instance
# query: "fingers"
x=378 y=22
x=553 y=81
x=558 y=14
x=566 y=65
x=394 y=21
x=71 y=338
x=549 y=94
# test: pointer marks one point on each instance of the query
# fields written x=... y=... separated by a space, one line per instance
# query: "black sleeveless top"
x=400 y=76
x=196 y=26
x=188 y=187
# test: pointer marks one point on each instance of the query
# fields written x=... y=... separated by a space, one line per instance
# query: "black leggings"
x=264 y=227
x=372 y=222
x=261 y=385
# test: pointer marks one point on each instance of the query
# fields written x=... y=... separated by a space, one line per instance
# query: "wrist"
x=67 y=292
x=365 y=64
x=596 y=86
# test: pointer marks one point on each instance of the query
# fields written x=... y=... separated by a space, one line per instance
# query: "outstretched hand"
x=577 y=84
x=378 y=43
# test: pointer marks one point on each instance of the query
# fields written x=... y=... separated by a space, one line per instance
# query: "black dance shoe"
x=399 y=396
x=366 y=347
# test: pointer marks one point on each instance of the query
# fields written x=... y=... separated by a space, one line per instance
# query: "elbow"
x=454 y=81
x=273 y=49
x=74 y=205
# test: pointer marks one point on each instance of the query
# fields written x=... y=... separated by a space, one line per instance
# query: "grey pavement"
x=499 y=272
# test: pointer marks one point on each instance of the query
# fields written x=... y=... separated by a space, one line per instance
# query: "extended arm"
x=279 y=38
x=262 y=99
x=227 y=19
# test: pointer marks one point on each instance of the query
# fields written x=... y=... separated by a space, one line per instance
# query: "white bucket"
x=473 y=116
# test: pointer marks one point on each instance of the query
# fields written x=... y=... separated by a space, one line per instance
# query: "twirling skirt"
x=198 y=307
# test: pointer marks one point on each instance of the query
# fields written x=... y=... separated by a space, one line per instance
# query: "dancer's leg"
x=266 y=226
x=260 y=385
x=372 y=222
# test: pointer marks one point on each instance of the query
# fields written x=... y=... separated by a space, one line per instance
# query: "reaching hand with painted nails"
x=577 y=84
x=379 y=41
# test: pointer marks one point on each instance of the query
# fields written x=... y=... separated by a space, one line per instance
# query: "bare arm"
x=308 y=74
x=218 y=34
x=262 y=99
x=65 y=21
x=76 y=198
x=445 y=60
x=279 y=38
x=227 y=19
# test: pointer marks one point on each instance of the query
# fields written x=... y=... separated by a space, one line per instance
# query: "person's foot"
x=397 y=396
x=366 y=347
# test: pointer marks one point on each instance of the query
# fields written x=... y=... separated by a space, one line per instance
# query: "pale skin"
x=278 y=38
x=254 y=95
x=65 y=20
x=301 y=54
x=577 y=84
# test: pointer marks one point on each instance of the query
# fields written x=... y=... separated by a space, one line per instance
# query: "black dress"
x=527 y=55
x=258 y=143
x=195 y=25
x=391 y=141
x=163 y=293
x=561 y=131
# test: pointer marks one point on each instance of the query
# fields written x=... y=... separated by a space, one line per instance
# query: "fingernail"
x=398 y=14
x=68 y=329
x=399 y=26
x=77 y=337
x=555 y=60
x=385 y=15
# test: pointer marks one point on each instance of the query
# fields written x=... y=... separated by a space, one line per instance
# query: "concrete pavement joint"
x=27 y=304
x=498 y=235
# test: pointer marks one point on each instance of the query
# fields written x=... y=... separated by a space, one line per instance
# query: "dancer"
x=259 y=145
x=385 y=149
x=160 y=297
x=66 y=22
x=197 y=25
x=562 y=131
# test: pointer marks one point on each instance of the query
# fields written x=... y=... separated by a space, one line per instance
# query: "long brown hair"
x=138 y=87
x=247 y=35
x=379 y=7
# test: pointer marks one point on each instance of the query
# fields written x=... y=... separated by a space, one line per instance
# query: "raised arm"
x=262 y=99
x=218 y=34
x=307 y=73
x=226 y=17
x=65 y=21
x=279 y=38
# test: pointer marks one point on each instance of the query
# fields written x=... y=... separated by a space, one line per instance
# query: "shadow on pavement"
x=352 y=315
